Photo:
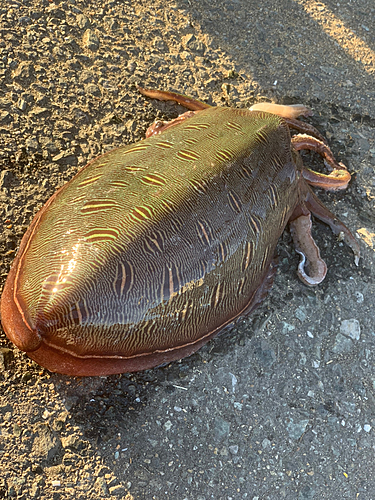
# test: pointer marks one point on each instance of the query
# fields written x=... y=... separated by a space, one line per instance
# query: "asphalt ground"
x=282 y=404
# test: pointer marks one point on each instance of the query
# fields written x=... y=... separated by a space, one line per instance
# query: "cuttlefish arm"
x=286 y=111
x=312 y=269
x=186 y=101
x=300 y=229
x=337 y=179
x=290 y=113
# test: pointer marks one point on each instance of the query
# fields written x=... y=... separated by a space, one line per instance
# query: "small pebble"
x=90 y=40
x=83 y=21
x=266 y=443
x=221 y=428
x=234 y=382
x=301 y=313
x=22 y=105
x=351 y=328
x=342 y=344
x=167 y=425
x=286 y=327
x=296 y=429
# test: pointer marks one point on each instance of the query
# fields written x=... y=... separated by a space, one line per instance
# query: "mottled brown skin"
x=151 y=249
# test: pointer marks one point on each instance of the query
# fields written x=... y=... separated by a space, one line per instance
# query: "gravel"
x=282 y=405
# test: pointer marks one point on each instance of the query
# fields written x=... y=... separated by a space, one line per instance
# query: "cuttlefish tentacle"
x=300 y=221
x=337 y=227
x=339 y=176
x=305 y=245
x=184 y=100
x=300 y=228
x=337 y=179
x=290 y=113
x=160 y=126
x=286 y=111
x=305 y=128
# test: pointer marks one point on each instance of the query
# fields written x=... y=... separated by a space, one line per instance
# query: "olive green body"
x=152 y=248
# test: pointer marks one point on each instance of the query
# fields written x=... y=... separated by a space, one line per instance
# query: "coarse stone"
x=24 y=72
x=22 y=104
x=296 y=428
x=264 y=353
x=168 y=425
x=342 y=344
x=6 y=118
x=90 y=40
x=351 y=328
x=83 y=21
x=301 y=313
x=71 y=441
x=118 y=490
x=191 y=43
x=221 y=428
x=46 y=443
x=32 y=143
x=39 y=112
x=93 y=89
x=6 y=179
x=101 y=486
